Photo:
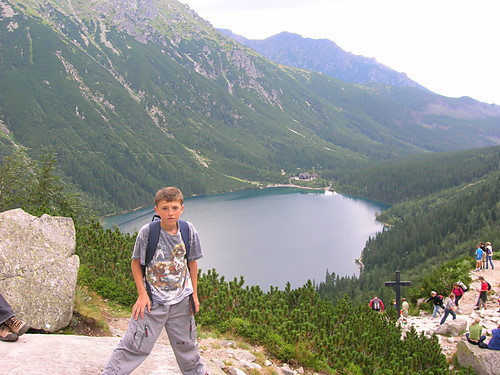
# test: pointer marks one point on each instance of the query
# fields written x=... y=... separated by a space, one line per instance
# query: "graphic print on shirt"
x=168 y=270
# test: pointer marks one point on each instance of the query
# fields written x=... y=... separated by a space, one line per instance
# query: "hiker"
x=479 y=257
x=458 y=291
x=437 y=301
x=449 y=308
x=405 y=307
x=483 y=294
x=494 y=343
x=483 y=259
x=167 y=292
x=474 y=335
x=376 y=304
x=10 y=326
x=489 y=255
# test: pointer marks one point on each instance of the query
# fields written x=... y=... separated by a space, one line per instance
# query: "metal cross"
x=397 y=286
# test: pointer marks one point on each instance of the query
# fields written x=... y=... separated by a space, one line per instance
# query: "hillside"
x=443 y=206
x=132 y=96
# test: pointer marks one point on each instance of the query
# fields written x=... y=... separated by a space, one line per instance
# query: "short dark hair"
x=169 y=194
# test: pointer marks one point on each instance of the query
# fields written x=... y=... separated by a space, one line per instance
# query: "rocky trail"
x=44 y=354
x=490 y=318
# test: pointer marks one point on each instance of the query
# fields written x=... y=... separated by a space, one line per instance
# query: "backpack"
x=489 y=285
x=154 y=237
x=462 y=285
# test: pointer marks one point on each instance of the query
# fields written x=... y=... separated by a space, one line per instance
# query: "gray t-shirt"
x=167 y=273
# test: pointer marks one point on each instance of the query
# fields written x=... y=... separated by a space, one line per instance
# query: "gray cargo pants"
x=142 y=334
x=5 y=310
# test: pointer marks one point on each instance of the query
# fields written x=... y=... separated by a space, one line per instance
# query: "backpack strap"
x=153 y=238
x=185 y=234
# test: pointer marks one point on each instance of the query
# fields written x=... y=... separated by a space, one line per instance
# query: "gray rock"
x=244 y=356
x=56 y=354
x=235 y=371
x=38 y=267
x=452 y=328
x=482 y=361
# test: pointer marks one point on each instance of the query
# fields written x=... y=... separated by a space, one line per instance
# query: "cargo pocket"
x=138 y=338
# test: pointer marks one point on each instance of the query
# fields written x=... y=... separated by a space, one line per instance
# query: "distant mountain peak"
x=324 y=56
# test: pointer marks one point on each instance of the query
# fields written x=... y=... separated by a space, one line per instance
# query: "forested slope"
x=424 y=233
x=409 y=178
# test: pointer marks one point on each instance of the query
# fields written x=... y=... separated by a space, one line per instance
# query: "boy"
x=172 y=281
x=437 y=301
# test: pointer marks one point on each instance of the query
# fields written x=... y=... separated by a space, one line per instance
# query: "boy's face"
x=169 y=212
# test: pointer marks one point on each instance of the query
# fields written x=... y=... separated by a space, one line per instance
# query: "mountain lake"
x=275 y=235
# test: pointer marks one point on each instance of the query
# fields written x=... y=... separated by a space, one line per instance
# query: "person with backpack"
x=376 y=304
x=458 y=291
x=166 y=288
x=483 y=293
x=437 y=301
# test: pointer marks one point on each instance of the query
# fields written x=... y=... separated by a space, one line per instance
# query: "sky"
x=451 y=47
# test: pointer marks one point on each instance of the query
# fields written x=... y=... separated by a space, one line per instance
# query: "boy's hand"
x=196 y=304
x=140 y=306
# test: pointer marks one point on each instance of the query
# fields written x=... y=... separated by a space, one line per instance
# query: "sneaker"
x=6 y=334
x=17 y=326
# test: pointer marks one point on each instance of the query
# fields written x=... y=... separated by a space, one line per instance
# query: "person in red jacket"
x=483 y=294
x=376 y=304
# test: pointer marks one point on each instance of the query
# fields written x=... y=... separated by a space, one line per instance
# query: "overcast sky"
x=451 y=47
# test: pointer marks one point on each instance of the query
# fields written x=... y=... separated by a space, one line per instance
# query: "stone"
x=235 y=371
x=38 y=268
x=482 y=361
x=244 y=356
x=287 y=370
x=452 y=328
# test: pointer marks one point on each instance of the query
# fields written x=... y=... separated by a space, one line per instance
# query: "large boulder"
x=38 y=268
x=482 y=361
x=452 y=328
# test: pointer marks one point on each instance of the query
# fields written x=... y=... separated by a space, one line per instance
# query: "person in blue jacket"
x=494 y=343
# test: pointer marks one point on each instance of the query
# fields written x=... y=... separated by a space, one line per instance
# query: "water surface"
x=276 y=235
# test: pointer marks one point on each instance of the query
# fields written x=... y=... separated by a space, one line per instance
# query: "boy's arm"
x=193 y=271
x=143 y=301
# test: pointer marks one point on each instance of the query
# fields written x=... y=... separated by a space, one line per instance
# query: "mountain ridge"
x=324 y=56
x=134 y=94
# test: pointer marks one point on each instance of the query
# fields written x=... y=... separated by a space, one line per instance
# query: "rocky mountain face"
x=324 y=56
x=134 y=95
